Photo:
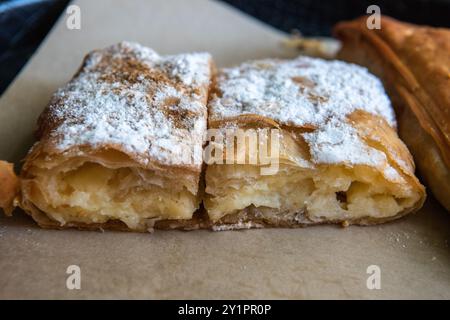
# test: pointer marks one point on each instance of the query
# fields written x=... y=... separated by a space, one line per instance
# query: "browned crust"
x=415 y=58
x=199 y=221
x=248 y=218
x=9 y=186
x=414 y=63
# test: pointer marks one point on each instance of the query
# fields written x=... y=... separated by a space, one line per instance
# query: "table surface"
x=317 y=262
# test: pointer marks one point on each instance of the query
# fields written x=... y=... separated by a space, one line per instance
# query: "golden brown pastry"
x=414 y=64
x=9 y=186
x=121 y=144
x=339 y=158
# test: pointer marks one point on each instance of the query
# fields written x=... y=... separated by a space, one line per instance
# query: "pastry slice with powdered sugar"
x=331 y=151
x=120 y=146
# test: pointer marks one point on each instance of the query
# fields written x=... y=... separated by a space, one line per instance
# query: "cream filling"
x=329 y=194
x=93 y=193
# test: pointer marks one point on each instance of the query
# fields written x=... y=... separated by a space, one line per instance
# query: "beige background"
x=315 y=262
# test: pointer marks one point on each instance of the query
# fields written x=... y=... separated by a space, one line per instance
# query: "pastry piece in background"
x=340 y=159
x=414 y=64
x=321 y=47
x=120 y=146
x=9 y=186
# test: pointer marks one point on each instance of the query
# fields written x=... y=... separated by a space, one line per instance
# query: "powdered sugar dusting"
x=337 y=142
x=300 y=91
x=127 y=95
x=236 y=226
x=308 y=92
x=189 y=69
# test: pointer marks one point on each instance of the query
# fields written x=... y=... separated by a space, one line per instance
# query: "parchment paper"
x=317 y=262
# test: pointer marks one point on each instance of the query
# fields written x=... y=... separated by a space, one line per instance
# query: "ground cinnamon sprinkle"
x=128 y=95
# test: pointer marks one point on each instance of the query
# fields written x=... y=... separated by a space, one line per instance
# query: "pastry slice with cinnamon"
x=120 y=145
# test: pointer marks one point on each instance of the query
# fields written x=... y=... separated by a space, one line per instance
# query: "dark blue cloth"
x=317 y=17
x=23 y=25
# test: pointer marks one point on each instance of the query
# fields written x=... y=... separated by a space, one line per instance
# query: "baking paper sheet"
x=412 y=255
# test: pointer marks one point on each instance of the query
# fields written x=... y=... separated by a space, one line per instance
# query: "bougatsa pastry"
x=414 y=64
x=340 y=159
x=121 y=144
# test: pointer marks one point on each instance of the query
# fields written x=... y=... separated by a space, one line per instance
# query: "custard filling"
x=324 y=194
x=93 y=193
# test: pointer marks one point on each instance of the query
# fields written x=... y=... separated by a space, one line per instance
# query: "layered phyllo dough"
x=121 y=142
x=414 y=63
x=339 y=158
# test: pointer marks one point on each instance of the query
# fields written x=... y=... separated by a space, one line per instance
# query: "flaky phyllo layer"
x=107 y=185
x=302 y=192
